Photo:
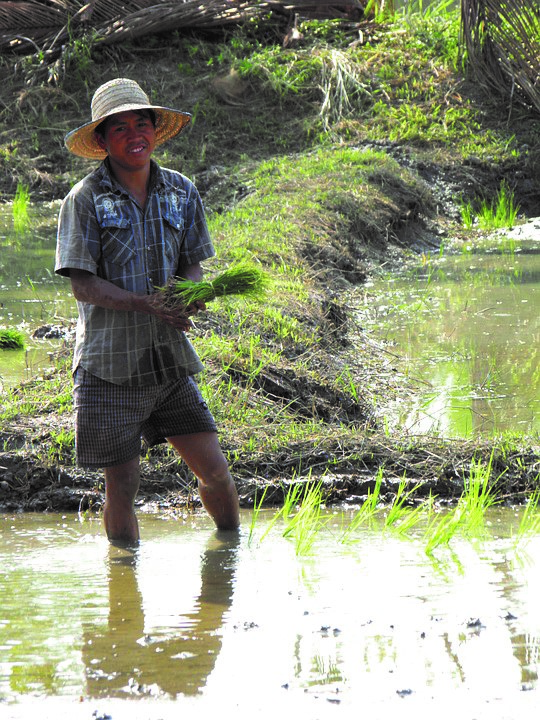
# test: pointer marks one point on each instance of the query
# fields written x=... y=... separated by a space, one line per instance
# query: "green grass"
x=499 y=213
x=20 y=209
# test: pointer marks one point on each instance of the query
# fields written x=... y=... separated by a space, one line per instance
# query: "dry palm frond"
x=242 y=280
x=46 y=25
x=502 y=40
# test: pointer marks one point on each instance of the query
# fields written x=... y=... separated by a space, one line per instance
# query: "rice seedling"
x=12 y=339
x=257 y=505
x=529 y=525
x=442 y=529
x=20 y=208
x=306 y=523
x=469 y=514
x=301 y=512
x=401 y=517
x=478 y=496
x=413 y=517
x=243 y=280
x=367 y=511
x=291 y=499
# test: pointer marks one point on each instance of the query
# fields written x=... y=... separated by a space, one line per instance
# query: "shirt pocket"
x=116 y=240
x=173 y=213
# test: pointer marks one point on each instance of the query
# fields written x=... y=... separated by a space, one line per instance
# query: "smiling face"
x=129 y=139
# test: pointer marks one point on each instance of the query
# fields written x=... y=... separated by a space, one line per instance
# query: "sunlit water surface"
x=31 y=295
x=465 y=328
x=243 y=626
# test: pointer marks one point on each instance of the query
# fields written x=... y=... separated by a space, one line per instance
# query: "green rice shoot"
x=20 y=209
x=242 y=280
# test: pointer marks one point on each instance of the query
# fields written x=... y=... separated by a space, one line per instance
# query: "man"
x=123 y=231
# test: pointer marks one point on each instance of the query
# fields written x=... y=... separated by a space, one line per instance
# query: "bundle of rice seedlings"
x=243 y=280
x=11 y=339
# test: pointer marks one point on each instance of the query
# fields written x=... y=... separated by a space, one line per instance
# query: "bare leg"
x=121 y=487
x=203 y=455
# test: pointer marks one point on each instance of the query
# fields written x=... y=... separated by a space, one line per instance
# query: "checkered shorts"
x=110 y=420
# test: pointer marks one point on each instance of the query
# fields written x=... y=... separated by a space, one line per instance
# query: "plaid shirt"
x=101 y=229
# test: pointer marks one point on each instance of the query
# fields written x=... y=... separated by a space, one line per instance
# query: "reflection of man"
x=121 y=659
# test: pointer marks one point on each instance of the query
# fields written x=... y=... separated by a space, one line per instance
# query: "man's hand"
x=97 y=291
x=179 y=317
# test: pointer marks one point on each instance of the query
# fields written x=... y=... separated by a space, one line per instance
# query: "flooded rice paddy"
x=242 y=625
x=465 y=329
x=31 y=295
x=247 y=626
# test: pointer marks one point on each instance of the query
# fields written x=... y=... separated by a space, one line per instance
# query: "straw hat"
x=116 y=96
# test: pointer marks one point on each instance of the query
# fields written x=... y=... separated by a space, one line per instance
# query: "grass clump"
x=496 y=214
x=12 y=339
x=20 y=208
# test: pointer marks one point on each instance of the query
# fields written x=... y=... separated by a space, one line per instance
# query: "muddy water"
x=246 y=627
x=465 y=329
x=30 y=294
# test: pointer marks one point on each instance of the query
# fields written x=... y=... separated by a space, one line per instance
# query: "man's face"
x=129 y=139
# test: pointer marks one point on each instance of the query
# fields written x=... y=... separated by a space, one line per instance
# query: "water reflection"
x=30 y=294
x=467 y=327
x=123 y=658
x=194 y=621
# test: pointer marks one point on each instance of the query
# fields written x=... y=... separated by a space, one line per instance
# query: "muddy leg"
x=121 y=487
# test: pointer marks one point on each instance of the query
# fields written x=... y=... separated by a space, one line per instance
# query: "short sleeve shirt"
x=102 y=229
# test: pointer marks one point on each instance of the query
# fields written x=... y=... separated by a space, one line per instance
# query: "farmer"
x=123 y=231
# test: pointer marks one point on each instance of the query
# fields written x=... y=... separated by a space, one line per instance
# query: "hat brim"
x=82 y=141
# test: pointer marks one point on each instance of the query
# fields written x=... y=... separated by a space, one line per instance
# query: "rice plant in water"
x=469 y=514
x=12 y=340
x=20 y=208
x=367 y=511
x=401 y=516
x=302 y=515
x=257 y=506
x=478 y=495
x=243 y=280
x=529 y=525
x=306 y=523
